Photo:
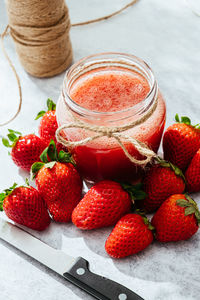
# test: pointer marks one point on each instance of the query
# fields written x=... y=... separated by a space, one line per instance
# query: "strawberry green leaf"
x=2 y=197
x=40 y=114
x=27 y=182
x=50 y=164
x=177 y=118
x=65 y=157
x=191 y=201
x=43 y=156
x=167 y=164
x=193 y=205
x=49 y=152
x=11 y=188
x=182 y=203
x=138 y=186
x=145 y=219
x=6 y=142
x=35 y=168
x=14 y=131
x=52 y=151
x=12 y=137
x=151 y=227
x=6 y=193
x=189 y=210
x=50 y=104
x=134 y=192
x=139 y=195
x=177 y=171
x=185 y=120
x=197 y=215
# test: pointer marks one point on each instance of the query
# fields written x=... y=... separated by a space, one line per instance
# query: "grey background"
x=166 y=35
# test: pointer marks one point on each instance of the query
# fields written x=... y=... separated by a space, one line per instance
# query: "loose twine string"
x=43 y=50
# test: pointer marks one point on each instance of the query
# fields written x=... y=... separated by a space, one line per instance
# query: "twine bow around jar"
x=112 y=132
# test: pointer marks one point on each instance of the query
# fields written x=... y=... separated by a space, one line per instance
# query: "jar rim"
x=138 y=108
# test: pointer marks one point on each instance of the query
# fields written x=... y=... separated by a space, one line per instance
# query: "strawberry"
x=177 y=219
x=58 y=182
x=132 y=233
x=25 y=206
x=25 y=149
x=48 y=124
x=161 y=181
x=181 y=141
x=192 y=174
x=104 y=204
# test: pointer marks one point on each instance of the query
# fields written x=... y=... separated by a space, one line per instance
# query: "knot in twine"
x=40 y=30
x=112 y=132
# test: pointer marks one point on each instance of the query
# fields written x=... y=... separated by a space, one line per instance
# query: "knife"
x=75 y=270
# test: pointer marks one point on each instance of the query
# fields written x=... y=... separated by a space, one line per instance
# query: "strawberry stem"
x=51 y=105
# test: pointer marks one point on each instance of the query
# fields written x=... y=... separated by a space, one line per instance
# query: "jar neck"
x=112 y=61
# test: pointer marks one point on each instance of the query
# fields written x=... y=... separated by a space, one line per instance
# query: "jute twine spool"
x=40 y=30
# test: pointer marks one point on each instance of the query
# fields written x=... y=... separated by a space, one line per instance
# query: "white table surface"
x=166 y=35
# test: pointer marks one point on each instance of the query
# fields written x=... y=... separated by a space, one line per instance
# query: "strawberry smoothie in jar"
x=112 y=90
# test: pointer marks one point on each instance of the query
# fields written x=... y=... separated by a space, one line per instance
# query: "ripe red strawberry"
x=130 y=235
x=161 y=181
x=104 y=204
x=58 y=182
x=180 y=142
x=177 y=219
x=24 y=205
x=25 y=149
x=192 y=174
x=48 y=124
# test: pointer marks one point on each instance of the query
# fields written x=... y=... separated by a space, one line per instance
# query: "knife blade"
x=75 y=270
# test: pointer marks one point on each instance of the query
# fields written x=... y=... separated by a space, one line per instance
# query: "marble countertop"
x=166 y=35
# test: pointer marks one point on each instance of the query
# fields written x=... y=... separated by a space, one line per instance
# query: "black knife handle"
x=98 y=286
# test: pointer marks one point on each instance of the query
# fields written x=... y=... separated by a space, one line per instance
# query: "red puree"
x=114 y=91
x=105 y=92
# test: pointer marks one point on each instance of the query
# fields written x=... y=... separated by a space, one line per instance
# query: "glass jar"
x=103 y=158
